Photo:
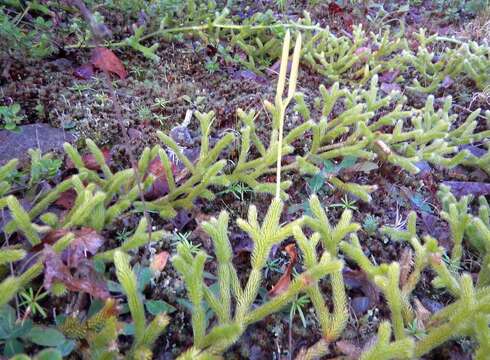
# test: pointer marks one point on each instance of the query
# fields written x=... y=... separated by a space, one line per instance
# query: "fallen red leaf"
x=293 y=254
x=105 y=60
x=284 y=281
x=159 y=261
x=66 y=199
x=49 y=239
x=87 y=241
x=348 y=21
x=89 y=160
x=335 y=9
x=159 y=187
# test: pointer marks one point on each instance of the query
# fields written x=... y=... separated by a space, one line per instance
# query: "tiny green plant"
x=212 y=65
x=273 y=266
x=184 y=239
x=413 y=329
x=144 y=112
x=370 y=225
x=346 y=204
x=43 y=167
x=161 y=103
x=30 y=301
x=11 y=117
x=238 y=190
x=297 y=307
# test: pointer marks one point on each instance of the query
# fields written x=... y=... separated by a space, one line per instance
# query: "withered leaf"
x=406 y=263
x=284 y=281
x=461 y=188
x=357 y=279
x=105 y=60
x=67 y=199
x=84 y=278
x=348 y=348
x=84 y=72
x=159 y=261
x=86 y=241
x=421 y=314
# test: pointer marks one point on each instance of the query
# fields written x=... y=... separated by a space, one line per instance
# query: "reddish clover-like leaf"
x=105 y=60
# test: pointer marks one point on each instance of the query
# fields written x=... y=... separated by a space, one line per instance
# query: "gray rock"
x=43 y=136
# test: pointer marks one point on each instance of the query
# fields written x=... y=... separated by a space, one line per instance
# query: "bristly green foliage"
x=357 y=58
x=100 y=331
x=465 y=226
x=145 y=333
x=461 y=318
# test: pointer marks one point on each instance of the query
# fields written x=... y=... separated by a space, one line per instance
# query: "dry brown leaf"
x=284 y=281
x=87 y=241
x=159 y=261
x=67 y=199
x=84 y=278
x=351 y=350
x=421 y=314
x=406 y=263
x=159 y=187
x=89 y=160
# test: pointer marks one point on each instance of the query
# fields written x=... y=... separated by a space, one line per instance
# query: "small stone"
x=360 y=305
x=42 y=136
x=182 y=136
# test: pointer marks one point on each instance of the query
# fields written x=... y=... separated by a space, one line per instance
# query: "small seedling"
x=31 y=302
x=273 y=265
x=212 y=66
x=370 y=225
x=184 y=238
x=10 y=117
x=144 y=112
x=452 y=264
x=346 y=204
x=43 y=168
x=238 y=190
x=298 y=306
x=414 y=330
x=161 y=103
